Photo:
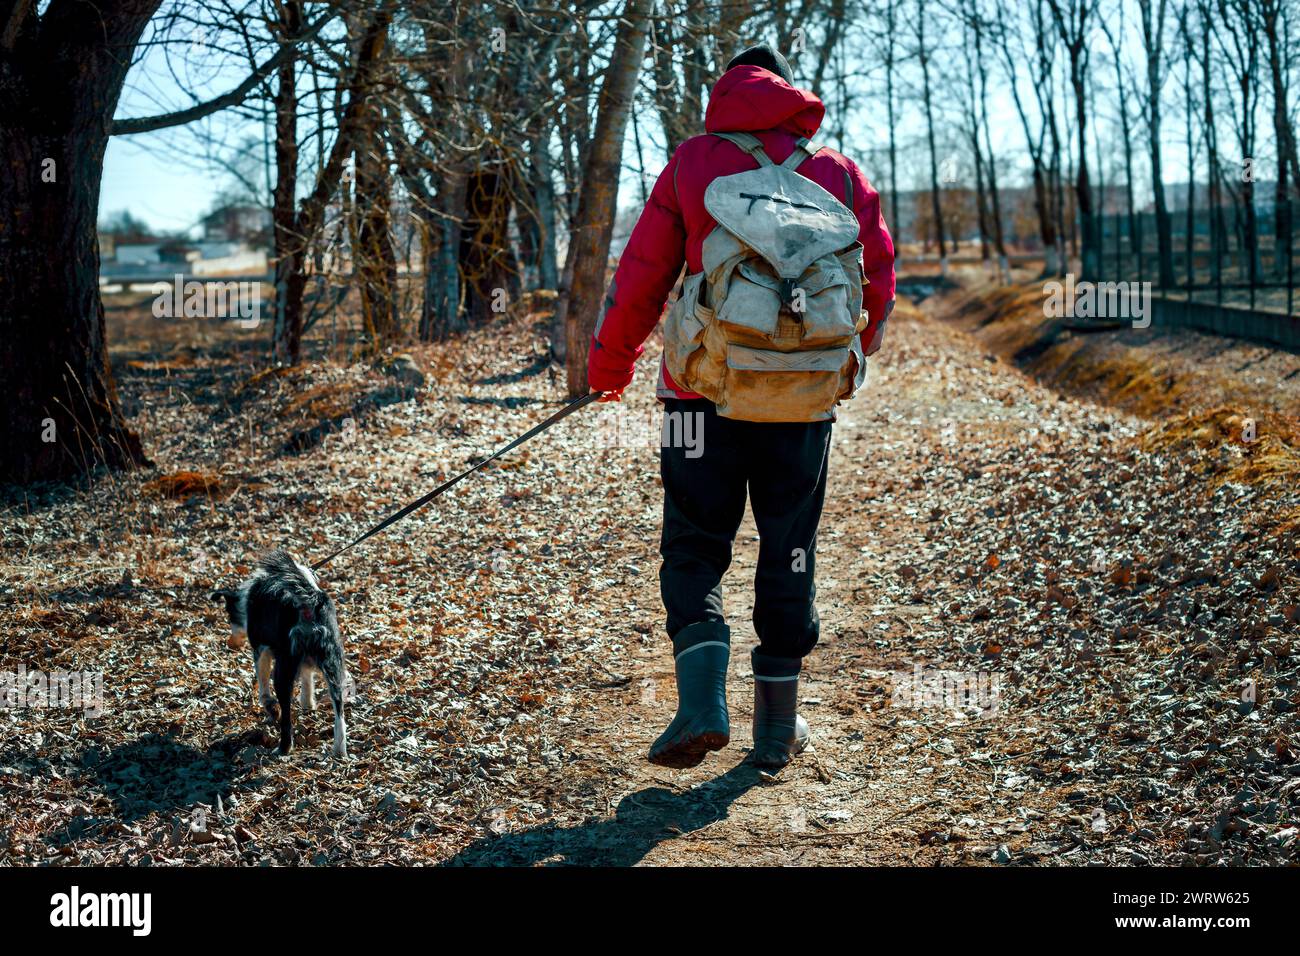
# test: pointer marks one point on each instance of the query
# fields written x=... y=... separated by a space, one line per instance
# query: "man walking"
x=790 y=278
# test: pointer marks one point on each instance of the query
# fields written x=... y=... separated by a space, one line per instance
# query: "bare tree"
x=890 y=45
x=1206 y=25
x=1273 y=15
x=975 y=103
x=294 y=233
x=373 y=256
x=923 y=55
x=981 y=28
x=1073 y=23
x=1187 y=47
x=1239 y=43
x=1012 y=52
x=594 y=224
x=1154 y=15
x=1122 y=87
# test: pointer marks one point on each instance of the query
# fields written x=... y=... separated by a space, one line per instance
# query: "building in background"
x=236 y=241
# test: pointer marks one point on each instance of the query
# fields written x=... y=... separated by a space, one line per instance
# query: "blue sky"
x=154 y=187
x=151 y=175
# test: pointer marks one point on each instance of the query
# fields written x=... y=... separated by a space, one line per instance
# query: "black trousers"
x=708 y=463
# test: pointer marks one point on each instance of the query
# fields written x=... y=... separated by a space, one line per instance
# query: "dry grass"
x=1200 y=391
x=318 y=403
x=1270 y=456
x=1124 y=380
x=1151 y=372
x=182 y=484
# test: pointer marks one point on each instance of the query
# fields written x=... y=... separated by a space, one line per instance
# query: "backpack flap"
x=786 y=218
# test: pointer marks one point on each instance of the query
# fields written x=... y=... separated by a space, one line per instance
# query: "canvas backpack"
x=770 y=329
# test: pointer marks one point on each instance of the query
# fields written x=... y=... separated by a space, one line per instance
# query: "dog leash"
x=420 y=502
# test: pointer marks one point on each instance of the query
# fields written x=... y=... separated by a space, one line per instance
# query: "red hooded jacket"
x=674 y=223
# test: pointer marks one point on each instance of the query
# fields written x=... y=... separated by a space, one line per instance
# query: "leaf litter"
x=1130 y=590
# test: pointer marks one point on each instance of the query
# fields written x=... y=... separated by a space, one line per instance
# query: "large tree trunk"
x=487 y=259
x=60 y=79
x=374 y=262
x=548 y=269
x=594 y=226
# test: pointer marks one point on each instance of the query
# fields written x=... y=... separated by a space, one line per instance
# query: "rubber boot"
x=700 y=654
x=779 y=732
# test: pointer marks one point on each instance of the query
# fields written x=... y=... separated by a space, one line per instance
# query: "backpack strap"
x=803 y=149
x=750 y=144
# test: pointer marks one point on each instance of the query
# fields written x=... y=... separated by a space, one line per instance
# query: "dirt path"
x=967 y=513
x=878 y=778
x=1123 y=589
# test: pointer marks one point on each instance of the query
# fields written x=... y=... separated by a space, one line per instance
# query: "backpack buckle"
x=786 y=291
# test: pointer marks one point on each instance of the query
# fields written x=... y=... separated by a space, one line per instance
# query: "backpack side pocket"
x=684 y=329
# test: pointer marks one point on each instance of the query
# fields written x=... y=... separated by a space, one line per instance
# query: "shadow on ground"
x=154 y=774
x=641 y=822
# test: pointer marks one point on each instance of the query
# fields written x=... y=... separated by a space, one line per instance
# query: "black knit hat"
x=764 y=55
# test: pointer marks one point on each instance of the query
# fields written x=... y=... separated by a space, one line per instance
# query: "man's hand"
x=878 y=336
x=614 y=396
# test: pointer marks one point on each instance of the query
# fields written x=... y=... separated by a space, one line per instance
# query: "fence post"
x=1252 y=253
x=1290 y=262
x=1190 y=242
x=1141 y=241
x=1216 y=234
x=1119 y=265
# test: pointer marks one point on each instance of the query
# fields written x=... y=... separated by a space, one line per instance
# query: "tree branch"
x=13 y=23
x=147 y=124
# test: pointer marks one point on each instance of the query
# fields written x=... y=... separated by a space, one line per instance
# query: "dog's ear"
x=229 y=596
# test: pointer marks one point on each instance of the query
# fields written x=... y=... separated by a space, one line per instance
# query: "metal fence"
x=1226 y=275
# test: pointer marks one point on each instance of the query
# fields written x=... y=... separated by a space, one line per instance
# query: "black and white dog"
x=293 y=632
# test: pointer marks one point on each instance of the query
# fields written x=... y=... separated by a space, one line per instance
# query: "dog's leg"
x=265 y=661
x=307 y=690
x=285 y=670
x=335 y=675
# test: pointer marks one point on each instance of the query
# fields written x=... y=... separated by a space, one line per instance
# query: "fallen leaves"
x=510 y=663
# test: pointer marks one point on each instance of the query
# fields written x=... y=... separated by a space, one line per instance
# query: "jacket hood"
x=748 y=98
